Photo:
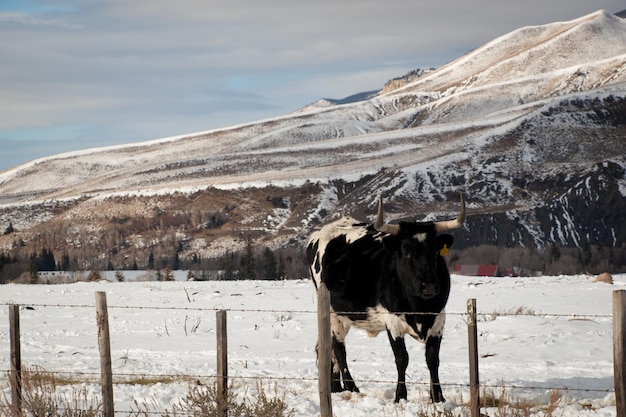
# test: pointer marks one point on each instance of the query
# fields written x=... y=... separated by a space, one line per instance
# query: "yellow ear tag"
x=443 y=251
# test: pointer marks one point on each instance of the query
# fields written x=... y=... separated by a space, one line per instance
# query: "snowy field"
x=562 y=341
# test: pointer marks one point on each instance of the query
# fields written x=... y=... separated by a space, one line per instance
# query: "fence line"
x=96 y=376
x=120 y=376
x=248 y=310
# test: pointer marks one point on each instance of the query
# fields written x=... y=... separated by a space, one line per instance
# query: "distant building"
x=480 y=270
x=206 y=275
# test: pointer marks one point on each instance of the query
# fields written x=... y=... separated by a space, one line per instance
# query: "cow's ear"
x=444 y=242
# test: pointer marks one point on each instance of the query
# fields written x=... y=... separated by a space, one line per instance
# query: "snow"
x=493 y=87
x=562 y=340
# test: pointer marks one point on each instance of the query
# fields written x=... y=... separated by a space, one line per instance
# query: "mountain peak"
x=529 y=126
x=524 y=66
x=511 y=75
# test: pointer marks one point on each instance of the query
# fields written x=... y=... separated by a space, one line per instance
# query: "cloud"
x=18 y=19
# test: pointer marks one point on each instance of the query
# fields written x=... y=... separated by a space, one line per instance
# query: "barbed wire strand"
x=157 y=403
x=190 y=377
x=493 y=313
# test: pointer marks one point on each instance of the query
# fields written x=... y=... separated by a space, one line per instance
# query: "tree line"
x=261 y=262
x=253 y=262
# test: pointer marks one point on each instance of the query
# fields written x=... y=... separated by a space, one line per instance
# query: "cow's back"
x=342 y=230
x=347 y=257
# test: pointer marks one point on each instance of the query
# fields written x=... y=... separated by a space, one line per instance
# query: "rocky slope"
x=531 y=127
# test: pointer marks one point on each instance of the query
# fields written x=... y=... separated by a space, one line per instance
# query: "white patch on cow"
x=438 y=325
x=339 y=326
x=342 y=227
x=421 y=237
x=378 y=320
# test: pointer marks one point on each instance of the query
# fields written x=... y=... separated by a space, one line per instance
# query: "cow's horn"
x=452 y=224
x=379 y=224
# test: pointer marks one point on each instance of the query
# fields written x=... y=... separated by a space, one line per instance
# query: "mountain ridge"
x=515 y=132
x=473 y=85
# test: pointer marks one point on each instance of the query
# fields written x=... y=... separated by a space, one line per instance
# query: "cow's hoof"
x=436 y=395
x=437 y=398
x=400 y=393
x=350 y=386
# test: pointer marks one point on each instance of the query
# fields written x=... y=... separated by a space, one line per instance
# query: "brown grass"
x=41 y=397
x=604 y=277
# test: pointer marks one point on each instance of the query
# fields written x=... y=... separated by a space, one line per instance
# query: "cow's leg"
x=335 y=376
x=341 y=366
x=402 y=362
x=432 y=360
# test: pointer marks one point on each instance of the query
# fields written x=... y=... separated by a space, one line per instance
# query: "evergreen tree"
x=269 y=264
x=281 y=268
x=2 y=261
x=50 y=262
x=74 y=264
x=65 y=262
x=45 y=261
x=248 y=263
x=584 y=253
x=176 y=262
x=228 y=265
x=9 y=229
x=151 y=260
x=34 y=275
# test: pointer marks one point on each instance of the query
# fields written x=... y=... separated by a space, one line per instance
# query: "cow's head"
x=416 y=249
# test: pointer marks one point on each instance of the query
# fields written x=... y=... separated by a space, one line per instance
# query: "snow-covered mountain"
x=530 y=126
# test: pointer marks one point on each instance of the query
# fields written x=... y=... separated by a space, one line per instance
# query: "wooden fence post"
x=104 y=344
x=222 y=362
x=472 y=336
x=324 y=346
x=16 y=359
x=619 y=350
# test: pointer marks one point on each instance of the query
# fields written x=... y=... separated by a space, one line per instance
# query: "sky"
x=78 y=74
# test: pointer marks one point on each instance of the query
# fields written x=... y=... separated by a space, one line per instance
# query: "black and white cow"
x=385 y=277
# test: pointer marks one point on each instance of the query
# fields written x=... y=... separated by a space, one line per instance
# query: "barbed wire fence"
x=15 y=371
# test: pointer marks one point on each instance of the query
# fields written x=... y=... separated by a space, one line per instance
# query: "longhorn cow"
x=385 y=277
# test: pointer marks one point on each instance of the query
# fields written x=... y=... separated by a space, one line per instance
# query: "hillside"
x=531 y=127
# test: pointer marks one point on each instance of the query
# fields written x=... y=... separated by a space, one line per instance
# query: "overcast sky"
x=78 y=74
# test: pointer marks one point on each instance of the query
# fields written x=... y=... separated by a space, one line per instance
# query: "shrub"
x=94 y=276
x=205 y=401
x=41 y=397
